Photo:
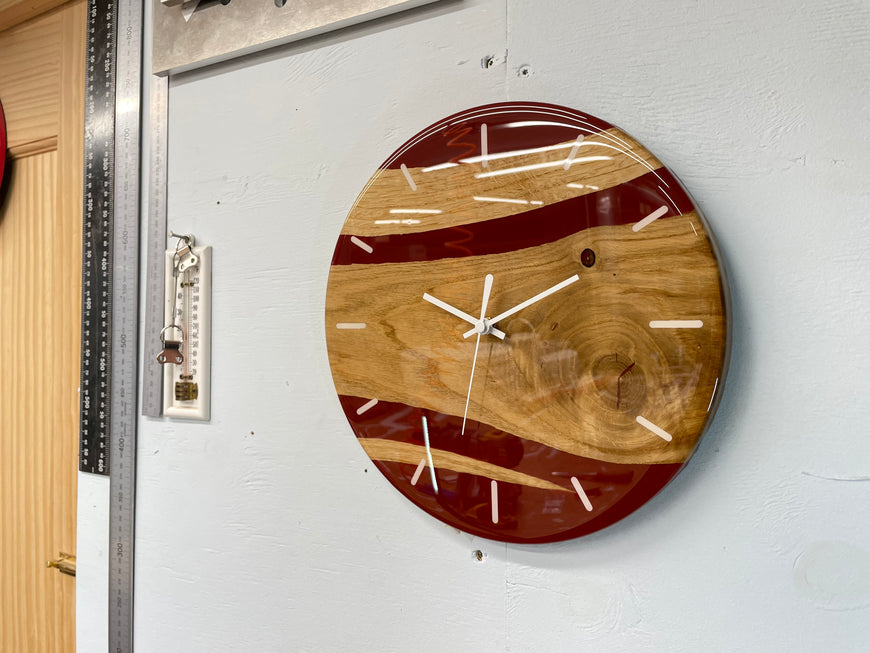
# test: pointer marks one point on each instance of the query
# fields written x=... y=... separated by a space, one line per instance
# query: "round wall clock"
x=527 y=322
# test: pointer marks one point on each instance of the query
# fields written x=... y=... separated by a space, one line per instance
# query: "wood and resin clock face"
x=526 y=322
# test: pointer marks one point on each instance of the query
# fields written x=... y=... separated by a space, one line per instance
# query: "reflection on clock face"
x=527 y=322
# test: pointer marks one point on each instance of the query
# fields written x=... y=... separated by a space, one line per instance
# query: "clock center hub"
x=483 y=326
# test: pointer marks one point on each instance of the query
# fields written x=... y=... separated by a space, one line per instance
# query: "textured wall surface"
x=267 y=529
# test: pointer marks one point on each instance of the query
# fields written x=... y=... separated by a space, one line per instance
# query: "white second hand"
x=470 y=381
x=487 y=288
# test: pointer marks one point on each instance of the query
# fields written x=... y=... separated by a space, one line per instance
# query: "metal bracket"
x=214 y=33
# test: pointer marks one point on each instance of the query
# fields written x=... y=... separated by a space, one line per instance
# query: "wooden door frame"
x=42 y=48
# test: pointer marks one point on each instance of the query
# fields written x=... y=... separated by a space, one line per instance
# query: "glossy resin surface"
x=527 y=322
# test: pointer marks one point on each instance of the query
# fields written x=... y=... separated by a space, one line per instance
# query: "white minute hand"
x=525 y=304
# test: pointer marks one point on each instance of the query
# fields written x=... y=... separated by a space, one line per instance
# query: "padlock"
x=186 y=391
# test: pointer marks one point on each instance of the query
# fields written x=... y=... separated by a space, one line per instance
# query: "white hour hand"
x=460 y=314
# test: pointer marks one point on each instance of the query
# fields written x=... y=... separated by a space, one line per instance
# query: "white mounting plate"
x=217 y=32
x=200 y=408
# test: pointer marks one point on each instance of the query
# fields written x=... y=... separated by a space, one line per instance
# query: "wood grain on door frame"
x=42 y=88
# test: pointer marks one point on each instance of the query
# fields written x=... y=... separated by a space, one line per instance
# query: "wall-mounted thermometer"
x=186 y=335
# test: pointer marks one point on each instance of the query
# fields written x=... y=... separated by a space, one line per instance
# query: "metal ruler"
x=99 y=144
x=110 y=277
x=152 y=374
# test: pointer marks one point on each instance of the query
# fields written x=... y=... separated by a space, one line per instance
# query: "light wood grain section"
x=14 y=12
x=42 y=146
x=555 y=378
x=597 y=163
x=30 y=79
x=41 y=78
x=38 y=444
x=405 y=452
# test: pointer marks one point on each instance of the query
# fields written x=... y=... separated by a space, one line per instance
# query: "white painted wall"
x=267 y=529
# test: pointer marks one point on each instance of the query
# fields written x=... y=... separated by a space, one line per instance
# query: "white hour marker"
x=536 y=166
x=484 y=146
x=659 y=431
x=580 y=493
x=429 y=454
x=363 y=246
x=506 y=200
x=366 y=406
x=408 y=221
x=440 y=166
x=573 y=153
x=408 y=177
x=350 y=325
x=581 y=186
x=418 y=471
x=676 y=324
x=514 y=153
x=713 y=396
x=652 y=217
x=493 y=486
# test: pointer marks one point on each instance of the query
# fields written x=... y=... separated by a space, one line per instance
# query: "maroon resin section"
x=510 y=126
x=623 y=204
x=526 y=514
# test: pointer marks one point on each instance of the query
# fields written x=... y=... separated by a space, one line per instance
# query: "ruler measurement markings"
x=110 y=284
x=152 y=374
x=125 y=271
x=96 y=248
